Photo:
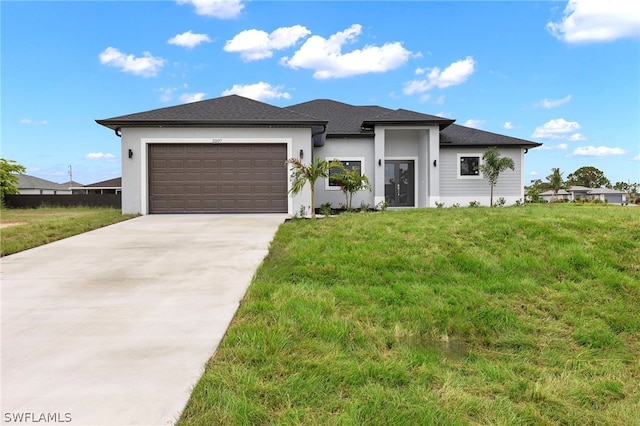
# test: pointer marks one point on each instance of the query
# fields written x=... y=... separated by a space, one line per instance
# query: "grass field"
x=505 y=316
x=27 y=228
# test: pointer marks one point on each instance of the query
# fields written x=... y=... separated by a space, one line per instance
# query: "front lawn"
x=27 y=228
x=518 y=315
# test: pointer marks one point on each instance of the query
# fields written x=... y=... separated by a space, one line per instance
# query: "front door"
x=399 y=183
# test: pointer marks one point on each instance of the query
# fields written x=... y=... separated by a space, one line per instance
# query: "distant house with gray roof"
x=31 y=185
x=576 y=193
x=228 y=155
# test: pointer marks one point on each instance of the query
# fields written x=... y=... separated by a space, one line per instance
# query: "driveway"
x=114 y=326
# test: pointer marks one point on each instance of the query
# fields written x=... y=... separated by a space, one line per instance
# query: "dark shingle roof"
x=404 y=116
x=455 y=135
x=226 y=110
x=110 y=183
x=344 y=119
x=351 y=120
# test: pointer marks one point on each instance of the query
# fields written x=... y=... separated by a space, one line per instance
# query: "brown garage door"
x=223 y=178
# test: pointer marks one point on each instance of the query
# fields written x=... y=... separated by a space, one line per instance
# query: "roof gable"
x=110 y=183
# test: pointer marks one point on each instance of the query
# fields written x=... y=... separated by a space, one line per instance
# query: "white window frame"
x=472 y=154
x=342 y=159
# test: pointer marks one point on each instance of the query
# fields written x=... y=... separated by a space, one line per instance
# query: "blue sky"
x=566 y=74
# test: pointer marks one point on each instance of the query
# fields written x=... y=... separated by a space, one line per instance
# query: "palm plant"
x=301 y=174
x=555 y=181
x=350 y=182
x=493 y=165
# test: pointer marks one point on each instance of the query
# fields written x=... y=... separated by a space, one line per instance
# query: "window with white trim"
x=349 y=164
x=469 y=166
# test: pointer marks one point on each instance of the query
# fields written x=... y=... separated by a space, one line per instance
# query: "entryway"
x=399 y=183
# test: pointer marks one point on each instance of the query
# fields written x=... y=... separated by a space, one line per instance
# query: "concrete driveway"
x=113 y=327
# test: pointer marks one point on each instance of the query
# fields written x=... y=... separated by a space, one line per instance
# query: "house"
x=31 y=185
x=577 y=193
x=228 y=155
x=75 y=187
x=110 y=186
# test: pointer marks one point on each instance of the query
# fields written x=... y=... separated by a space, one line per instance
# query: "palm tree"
x=350 y=182
x=555 y=181
x=494 y=165
x=301 y=174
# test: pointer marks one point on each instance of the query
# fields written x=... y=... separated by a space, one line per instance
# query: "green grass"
x=23 y=229
x=508 y=316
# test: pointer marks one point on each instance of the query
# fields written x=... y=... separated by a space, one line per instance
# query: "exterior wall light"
x=301 y=154
x=435 y=163
x=130 y=153
x=379 y=161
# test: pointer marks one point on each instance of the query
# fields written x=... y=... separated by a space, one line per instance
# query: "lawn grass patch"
x=23 y=229
x=437 y=316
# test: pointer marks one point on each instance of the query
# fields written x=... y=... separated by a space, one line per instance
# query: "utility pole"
x=70 y=176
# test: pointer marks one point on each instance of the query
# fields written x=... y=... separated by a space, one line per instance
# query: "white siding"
x=454 y=189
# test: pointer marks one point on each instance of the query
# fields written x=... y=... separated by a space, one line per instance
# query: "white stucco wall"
x=351 y=149
x=135 y=169
x=462 y=190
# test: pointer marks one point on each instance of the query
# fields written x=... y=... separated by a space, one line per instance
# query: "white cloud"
x=597 y=20
x=191 y=97
x=33 y=123
x=166 y=93
x=257 y=44
x=325 y=56
x=145 y=66
x=100 y=156
x=508 y=125
x=221 y=9
x=636 y=158
x=597 y=151
x=456 y=73
x=473 y=123
x=534 y=173
x=260 y=91
x=189 y=39
x=577 y=137
x=555 y=129
x=559 y=147
x=551 y=103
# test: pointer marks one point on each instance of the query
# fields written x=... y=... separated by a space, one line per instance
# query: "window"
x=469 y=166
x=347 y=163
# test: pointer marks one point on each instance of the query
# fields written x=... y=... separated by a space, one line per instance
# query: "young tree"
x=301 y=174
x=493 y=165
x=350 y=182
x=589 y=177
x=9 y=171
x=555 y=181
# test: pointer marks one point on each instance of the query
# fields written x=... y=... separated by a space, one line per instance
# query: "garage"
x=217 y=178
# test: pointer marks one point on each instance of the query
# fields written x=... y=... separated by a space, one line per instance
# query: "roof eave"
x=442 y=124
x=119 y=124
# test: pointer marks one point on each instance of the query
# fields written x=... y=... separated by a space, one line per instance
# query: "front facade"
x=227 y=155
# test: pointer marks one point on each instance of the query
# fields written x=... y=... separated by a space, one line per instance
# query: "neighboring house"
x=576 y=193
x=611 y=196
x=228 y=155
x=31 y=185
x=110 y=186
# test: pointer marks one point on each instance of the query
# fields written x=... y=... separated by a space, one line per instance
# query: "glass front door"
x=399 y=183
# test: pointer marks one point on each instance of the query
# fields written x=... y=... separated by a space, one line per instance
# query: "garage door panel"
x=217 y=178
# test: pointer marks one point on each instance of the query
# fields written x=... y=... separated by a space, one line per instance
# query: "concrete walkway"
x=113 y=327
